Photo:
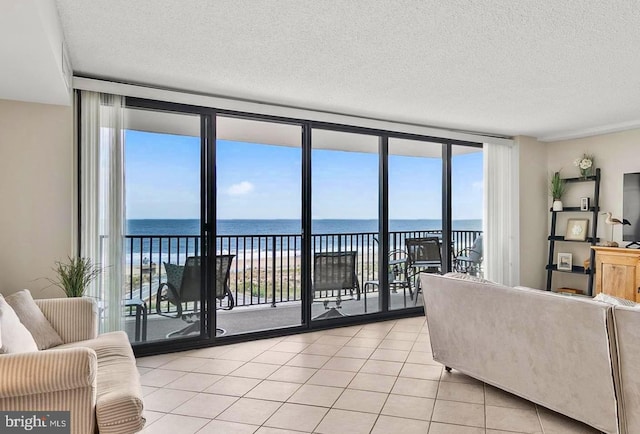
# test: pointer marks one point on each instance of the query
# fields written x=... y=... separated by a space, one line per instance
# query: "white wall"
x=533 y=211
x=37 y=177
x=615 y=154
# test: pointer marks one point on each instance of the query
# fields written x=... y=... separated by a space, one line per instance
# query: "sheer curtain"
x=501 y=214
x=102 y=200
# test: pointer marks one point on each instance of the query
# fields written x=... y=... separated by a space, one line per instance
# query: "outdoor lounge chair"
x=469 y=260
x=334 y=273
x=183 y=286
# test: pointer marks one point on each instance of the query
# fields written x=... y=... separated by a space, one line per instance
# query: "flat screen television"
x=631 y=207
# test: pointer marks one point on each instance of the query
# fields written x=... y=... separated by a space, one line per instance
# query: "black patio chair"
x=396 y=276
x=423 y=256
x=183 y=286
x=469 y=260
x=334 y=273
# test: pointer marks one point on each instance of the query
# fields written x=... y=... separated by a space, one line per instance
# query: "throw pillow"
x=15 y=336
x=616 y=301
x=34 y=320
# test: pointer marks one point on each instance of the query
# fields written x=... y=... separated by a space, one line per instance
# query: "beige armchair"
x=94 y=377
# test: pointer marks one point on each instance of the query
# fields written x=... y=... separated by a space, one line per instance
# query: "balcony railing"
x=266 y=268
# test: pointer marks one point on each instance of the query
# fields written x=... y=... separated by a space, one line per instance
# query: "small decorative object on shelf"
x=577 y=230
x=612 y=221
x=565 y=261
x=557 y=187
x=585 y=164
x=571 y=291
x=584 y=203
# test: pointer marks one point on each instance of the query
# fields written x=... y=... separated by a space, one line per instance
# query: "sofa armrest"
x=47 y=371
x=75 y=319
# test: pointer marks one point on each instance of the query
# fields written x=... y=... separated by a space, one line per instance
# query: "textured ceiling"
x=544 y=68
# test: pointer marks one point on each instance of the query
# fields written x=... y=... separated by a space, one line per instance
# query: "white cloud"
x=241 y=188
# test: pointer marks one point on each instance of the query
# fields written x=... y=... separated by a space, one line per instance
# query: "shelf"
x=575 y=209
x=575 y=269
x=587 y=179
x=561 y=238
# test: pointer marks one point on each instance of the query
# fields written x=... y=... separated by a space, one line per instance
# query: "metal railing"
x=266 y=269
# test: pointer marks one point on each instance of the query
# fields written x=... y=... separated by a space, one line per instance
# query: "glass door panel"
x=344 y=205
x=467 y=195
x=162 y=252
x=259 y=225
x=415 y=217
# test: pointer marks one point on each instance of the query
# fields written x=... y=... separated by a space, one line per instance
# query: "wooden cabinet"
x=617 y=272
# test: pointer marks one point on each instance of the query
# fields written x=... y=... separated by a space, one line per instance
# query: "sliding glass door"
x=467 y=207
x=259 y=228
x=163 y=255
x=237 y=224
x=345 y=238
x=415 y=217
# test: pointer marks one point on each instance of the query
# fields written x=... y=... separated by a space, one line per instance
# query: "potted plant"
x=75 y=276
x=557 y=188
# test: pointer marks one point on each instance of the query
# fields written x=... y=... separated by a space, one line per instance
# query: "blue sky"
x=263 y=182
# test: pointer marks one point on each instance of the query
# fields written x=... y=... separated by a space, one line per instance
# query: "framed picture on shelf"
x=584 y=203
x=577 y=230
x=565 y=261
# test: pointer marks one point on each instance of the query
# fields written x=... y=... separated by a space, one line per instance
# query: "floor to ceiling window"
x=163 y=248
x=415 y=217
x=467 y=199
x=344 y=210
x=239 y=223
x=259 y=227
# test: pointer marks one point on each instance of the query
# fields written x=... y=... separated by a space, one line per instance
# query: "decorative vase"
x=557 y=205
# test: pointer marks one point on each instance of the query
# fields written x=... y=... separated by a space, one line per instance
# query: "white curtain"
x=102 y=200
x=501 y=214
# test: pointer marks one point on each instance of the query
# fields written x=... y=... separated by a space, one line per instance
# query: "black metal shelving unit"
x=592 y=240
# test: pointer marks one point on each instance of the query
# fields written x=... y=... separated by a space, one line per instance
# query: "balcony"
x=265 y=278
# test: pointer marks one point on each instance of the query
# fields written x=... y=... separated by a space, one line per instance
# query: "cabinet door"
x=617 y=276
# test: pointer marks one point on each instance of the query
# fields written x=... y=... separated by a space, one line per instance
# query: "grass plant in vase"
x=74 y=276
x=557 y=188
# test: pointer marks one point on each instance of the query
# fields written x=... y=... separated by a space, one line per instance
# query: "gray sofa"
x=573 y=355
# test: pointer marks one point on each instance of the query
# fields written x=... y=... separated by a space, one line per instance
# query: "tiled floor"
x=377 y=378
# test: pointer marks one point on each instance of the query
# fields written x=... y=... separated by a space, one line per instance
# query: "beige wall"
x=37 y=189
x=615 y=154
x=533 y=211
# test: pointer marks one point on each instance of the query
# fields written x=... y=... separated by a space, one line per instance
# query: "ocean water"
x=290 y=227
x=174 y=240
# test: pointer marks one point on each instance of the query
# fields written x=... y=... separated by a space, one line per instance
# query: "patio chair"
x=334 y=272
x=396 y=276
x=469 y=260
x=183 y=286
x=423 y=256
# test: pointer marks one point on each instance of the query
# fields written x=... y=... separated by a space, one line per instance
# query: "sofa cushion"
x=119 y=402
x=15 y=336
x=33 y=319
